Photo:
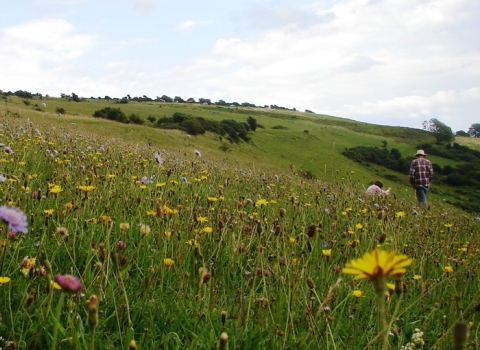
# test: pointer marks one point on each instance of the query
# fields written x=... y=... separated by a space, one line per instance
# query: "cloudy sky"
x=386 y=62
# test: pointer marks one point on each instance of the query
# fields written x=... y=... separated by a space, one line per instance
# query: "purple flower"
x=15 y=218
x=7 y=150
x=69 y=283
x=158 y=158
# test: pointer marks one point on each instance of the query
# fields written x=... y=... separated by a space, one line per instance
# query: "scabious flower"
x=69 y=283
x=15 y=218
x=158 y=158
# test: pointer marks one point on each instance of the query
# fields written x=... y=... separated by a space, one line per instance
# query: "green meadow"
x=198 y=243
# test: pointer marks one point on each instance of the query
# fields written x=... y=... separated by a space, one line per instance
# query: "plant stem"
x=57 y=320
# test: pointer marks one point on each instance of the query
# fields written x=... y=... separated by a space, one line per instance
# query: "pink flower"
x=69 y=283
x=15 y=218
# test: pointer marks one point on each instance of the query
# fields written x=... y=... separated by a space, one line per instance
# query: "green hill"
x=305 y=143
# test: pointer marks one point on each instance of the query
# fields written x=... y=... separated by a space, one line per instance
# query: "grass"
x=247 y=237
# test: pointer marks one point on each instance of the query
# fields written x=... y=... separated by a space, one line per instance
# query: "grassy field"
x=208 y=249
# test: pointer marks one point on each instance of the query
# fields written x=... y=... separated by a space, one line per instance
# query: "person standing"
x=421 y=173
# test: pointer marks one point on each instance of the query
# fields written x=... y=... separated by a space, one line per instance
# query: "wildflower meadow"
x=109 y=244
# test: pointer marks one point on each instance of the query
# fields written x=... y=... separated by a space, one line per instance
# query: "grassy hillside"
x=287 y=141
x=105 y=246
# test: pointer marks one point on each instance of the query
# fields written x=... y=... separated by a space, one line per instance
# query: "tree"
x=252 y=122
x=474 y=130
x=441 y=132
x=462 y=133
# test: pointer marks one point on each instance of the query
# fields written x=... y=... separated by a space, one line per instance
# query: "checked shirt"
x=421 y=172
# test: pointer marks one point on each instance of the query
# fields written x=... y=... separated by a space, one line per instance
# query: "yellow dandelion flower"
x=400 y=214
x=358 y=226
x=357 y=293
x=448 y=225
x=69 y=205
x=448 y=269
x=168 y=262
x=151 y=212
x=417 y=277
x=55 y=285
x=55 y=189
x=4 y=280
x=49 y=212
x=160 y=184
x=168 y=234
x=391 y=286
x=327 y=252
x=376 y=265
x=86 y=188
x=207 y=230
x=212 y=199
x=202 y=219
x=292 y=240
x=261 y=202
x=192 y=243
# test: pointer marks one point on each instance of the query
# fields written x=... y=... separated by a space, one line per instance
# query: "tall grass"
x=181 y=252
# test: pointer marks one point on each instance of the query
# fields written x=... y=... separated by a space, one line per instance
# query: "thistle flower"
x=15 y=218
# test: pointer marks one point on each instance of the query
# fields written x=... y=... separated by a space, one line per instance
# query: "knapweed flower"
x=448 y=269
x=168 y=262
x=4 y=280
x=69 y=283
x=376 y=265
x=15 y=218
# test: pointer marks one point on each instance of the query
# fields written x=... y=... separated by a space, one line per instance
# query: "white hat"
x=420 y=152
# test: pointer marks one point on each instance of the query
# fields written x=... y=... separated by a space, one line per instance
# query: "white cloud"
x=31 y=51
x=189 y=25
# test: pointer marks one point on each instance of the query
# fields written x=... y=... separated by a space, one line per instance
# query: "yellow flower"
x=124 y=226
x=261 y=202
x=358 y=226
x=86 y=188
x=144 y=229
x=111 y=176
x=212 y=199
x=192 y=243
x=168 y=262
x=160 y=184
x=55 y=189
x=55 y=285
x=69 y=205
x=4 y=280
x=391 y=286
x=202 y=219
x=448 y=225
x=376 y=265
x=207 y=230
x=357 y=293
x=448 y=269
x=327 y=252
x=417 y=277
x=292 y=240
x=400 y=214
x=48 y=212
x=168 y=234
x=151 y=212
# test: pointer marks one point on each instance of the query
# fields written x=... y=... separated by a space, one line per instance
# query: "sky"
x=386 y=62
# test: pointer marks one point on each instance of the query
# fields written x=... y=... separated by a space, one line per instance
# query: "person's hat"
x=420 y=152
x=378 y=183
